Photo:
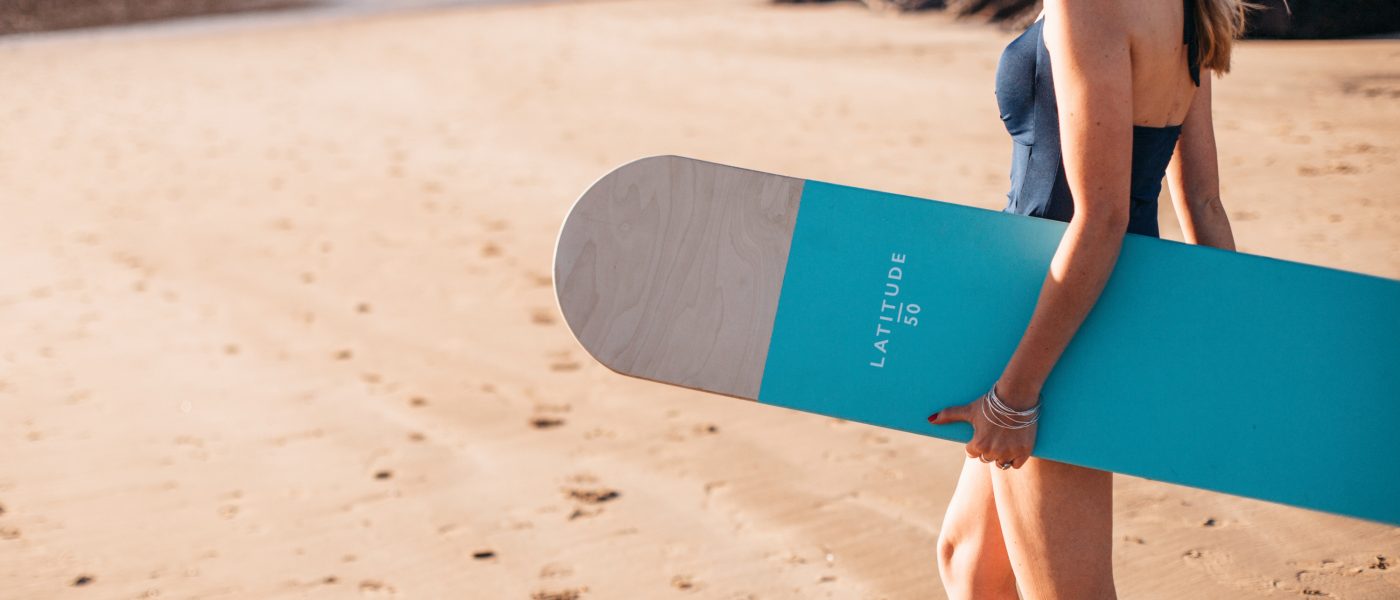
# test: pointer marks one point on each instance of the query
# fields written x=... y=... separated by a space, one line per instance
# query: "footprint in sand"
x=546 y=422
x=1332 y=168
x=542 y=316
x=580 y=513
x=1373 y=86
x=593 y=495
x=371 y=586
x=496 y=225
x=564 y=365
x=1221 y=567
x=599 y=433
x=681 y=433
x=563 y=362
x=555 y=571
x=569 y=594
x=685 y=583
x=541 y=280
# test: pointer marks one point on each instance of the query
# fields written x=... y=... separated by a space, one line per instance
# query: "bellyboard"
x=1219 y=370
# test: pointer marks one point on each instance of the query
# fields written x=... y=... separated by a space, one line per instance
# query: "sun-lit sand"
x=276 y=316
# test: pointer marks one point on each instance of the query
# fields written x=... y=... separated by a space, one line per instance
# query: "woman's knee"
x=971 y=555
x=974 y=567
x=955 y=580
x=946 y=548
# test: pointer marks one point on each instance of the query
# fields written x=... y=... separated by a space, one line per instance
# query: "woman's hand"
x=991 y=443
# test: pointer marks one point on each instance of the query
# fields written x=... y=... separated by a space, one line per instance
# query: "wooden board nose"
x=670 y=269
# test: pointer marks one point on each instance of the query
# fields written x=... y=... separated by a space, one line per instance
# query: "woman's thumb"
x=952 y=414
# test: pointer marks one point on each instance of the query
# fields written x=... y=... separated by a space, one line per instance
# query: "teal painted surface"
x=1223 y=371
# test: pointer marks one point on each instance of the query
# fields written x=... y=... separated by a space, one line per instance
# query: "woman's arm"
x=1194 y=177
x=1089 y=48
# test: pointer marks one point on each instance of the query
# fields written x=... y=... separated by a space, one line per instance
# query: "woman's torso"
x=1163 y=68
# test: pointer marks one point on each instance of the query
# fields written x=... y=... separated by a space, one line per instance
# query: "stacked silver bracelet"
x=1006 y=417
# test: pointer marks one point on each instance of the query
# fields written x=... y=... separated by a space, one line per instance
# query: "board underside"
x=1218 y=370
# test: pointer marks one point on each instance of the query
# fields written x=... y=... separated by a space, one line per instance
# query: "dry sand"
x=276 y=317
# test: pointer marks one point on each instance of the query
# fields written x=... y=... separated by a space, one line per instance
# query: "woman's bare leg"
x=972 y=556
x=1057 y=520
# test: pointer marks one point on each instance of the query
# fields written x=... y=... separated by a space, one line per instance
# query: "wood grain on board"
x=670 y=269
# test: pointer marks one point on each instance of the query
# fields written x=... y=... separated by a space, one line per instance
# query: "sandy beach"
x=276 y=317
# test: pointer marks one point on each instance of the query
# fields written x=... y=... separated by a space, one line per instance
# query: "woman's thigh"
x=1057 y=520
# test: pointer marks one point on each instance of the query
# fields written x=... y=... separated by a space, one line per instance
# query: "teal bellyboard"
x=1218 y=370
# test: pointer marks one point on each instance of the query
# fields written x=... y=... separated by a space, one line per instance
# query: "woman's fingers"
x=1017 y=458
x=952 y=414
x=997 y=455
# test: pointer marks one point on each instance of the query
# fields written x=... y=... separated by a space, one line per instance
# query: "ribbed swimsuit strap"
x=1193 y=45
x=1043 y=166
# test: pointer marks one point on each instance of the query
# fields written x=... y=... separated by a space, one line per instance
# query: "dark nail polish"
x=932 y=417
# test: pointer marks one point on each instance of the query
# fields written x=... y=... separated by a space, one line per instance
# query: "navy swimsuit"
x=1026 y=96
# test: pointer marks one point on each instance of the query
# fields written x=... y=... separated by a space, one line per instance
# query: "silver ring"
x=984 y=459
x=1004 y=466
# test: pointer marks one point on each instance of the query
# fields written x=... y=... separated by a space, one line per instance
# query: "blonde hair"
x=1218 y=24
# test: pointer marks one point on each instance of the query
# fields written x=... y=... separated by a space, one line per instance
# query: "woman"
x=1129 y=102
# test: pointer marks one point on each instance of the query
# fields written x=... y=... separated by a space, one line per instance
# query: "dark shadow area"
x=28 y=16
x=1286 y=19
x=1323 y=19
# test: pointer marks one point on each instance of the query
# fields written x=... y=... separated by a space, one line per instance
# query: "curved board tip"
x=669 y=268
